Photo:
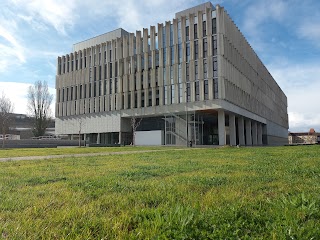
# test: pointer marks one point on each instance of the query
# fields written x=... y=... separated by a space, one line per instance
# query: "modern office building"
x=194 y=78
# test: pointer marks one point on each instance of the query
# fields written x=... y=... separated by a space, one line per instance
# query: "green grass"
x=25 y=152
x=227 y=193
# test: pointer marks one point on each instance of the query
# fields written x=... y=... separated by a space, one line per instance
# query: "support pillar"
x=259 y=134
x=232 y=127
x=248 y=133
x=85 y=139
x=221 y=128
x=241 y=131
x=120 y=138
x=98 y=138
x=254 y=133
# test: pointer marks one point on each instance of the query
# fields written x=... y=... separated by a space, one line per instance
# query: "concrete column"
x=254 y=133
x=120 y=138
x=98 y=138
x=232 y=127
x=241 y=131
x=259 y=134
x=85 y=139
x=248 y=133
x=221 y=128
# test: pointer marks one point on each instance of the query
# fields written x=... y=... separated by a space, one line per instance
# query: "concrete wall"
x=100 y=39
x=95 y=123
x=145 y=138
x=245 y=80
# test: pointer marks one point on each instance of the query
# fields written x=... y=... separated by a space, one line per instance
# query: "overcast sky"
x=284 y=34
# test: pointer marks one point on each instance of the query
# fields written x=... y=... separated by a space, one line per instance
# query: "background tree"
x=6 y=109
x=39 y=101
x=135 y=123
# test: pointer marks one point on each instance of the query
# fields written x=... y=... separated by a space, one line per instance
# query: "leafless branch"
x=6 y=109
x=39 y=101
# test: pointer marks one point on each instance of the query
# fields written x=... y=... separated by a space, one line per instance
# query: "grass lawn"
x=226 y=193
x=25 y=152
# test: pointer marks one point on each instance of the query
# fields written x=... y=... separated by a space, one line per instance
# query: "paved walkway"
x=80 y=155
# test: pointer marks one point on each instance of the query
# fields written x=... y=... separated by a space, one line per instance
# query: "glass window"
x=172 y=93
x=164 y=37
x=188 y=92
x=187 y=73
x=110 y=86
x=214 y=26
x=77 y=61
x=205 y=69
x=180 y=53
x=215 y=67
x=204 y=28
x=187 y=33
x=196 y=69
x=215 y=85
x=188 y=51
x=206 y=89
x=215 y=45
x=171 y=34
x=213 y=14
x=205 y=48
x=180 y=92
x=172 y=55
x=165 y=95
x=197 y=89
x=179 y=73
x=179 y=31
x=142 y=98
x=196 y=50
x=195 y=31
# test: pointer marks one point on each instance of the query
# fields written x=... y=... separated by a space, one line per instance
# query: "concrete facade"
x=196 y=78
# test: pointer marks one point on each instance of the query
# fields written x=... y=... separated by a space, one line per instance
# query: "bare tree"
x=135 y=123
x=6 y=109
x=80 y=121
x=39 y=101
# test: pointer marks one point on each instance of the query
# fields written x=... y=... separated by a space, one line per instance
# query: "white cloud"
x=11 y=50
x=310 y=31
x=301 y=122
x=262 y=11
x=17 y=93
x=35 y=25
x=301 y=84
x=59 y=14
